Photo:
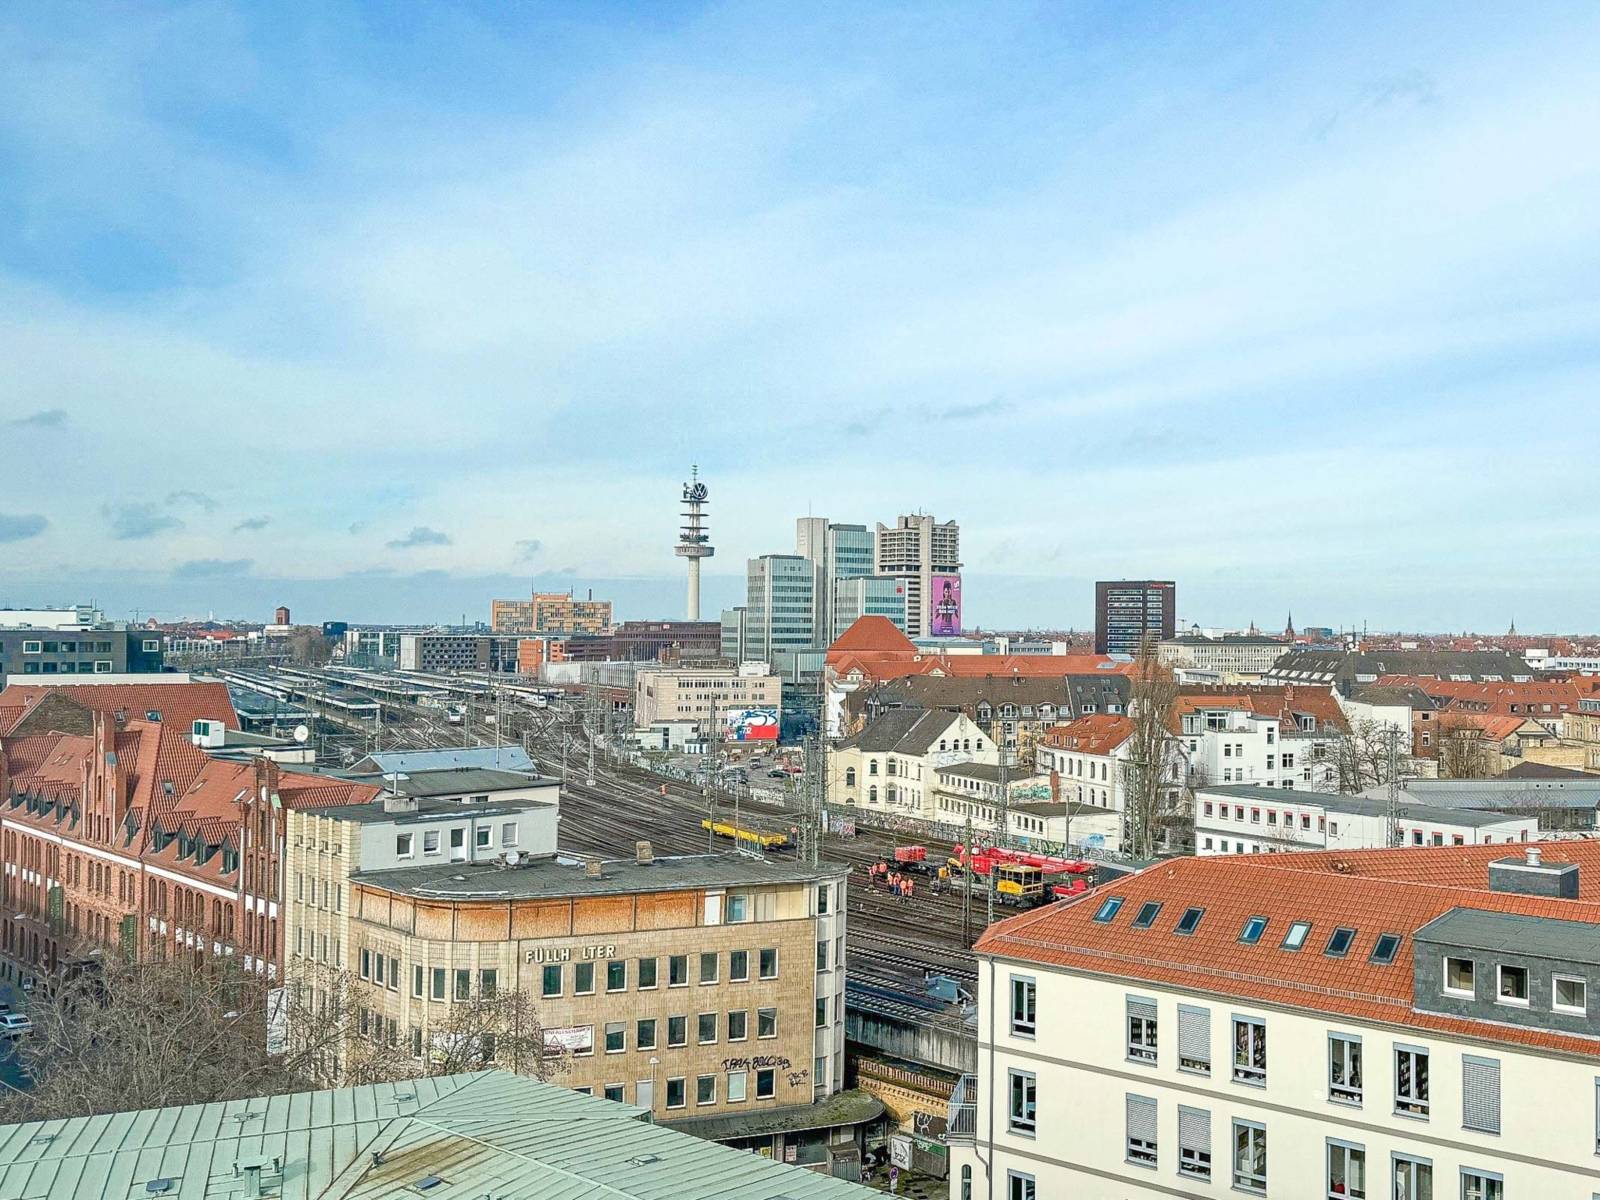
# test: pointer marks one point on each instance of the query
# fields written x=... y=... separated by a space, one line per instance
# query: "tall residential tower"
x=925 y=556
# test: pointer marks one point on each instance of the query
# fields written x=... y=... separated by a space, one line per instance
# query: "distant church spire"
x=1288 y=630
x=1512 y=632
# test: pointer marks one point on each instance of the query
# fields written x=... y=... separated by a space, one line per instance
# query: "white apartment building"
x=914 y=550
x=1256 y=819
x=1301 y=1026
x=1254 y=738
x=890 y=765
x=968 y=795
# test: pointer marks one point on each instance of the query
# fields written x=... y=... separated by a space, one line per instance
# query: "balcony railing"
x=961 y=1123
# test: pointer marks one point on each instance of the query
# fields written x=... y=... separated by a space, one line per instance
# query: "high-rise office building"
x=1130 y=612
x=780 y=605
x=837 y=553
x=867 y=596
x=925 y=556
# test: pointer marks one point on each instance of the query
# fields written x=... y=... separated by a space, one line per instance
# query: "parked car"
x=14 y=1025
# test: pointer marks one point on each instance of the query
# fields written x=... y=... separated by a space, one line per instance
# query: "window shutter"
x=1480 y=1093
x=1139 y=1007
x=1142 y=1118
x=1194 y=1129
x=1194 y=1034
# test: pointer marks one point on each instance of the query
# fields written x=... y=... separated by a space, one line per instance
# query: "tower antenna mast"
x=694 y=539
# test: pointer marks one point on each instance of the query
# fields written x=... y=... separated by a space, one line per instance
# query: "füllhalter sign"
x=561 y=954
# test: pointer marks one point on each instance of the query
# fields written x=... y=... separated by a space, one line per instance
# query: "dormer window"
x=1513 y=986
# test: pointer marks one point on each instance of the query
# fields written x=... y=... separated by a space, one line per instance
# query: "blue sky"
x=366 y=309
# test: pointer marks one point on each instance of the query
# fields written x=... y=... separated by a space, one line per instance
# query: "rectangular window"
x=1024 y=1006
x=613 y=1092
x=364 y=968
x=1481 y=1185
x=1141 y=1132
x=1411 y=1081
x=1413 y=1178
x=488 y=982
x=1022 y=1115
x=1344 y=1068
x=463 y=985
x=766 y=1084
x=822 y=956
x=738 y=908
x=677 y=1031
x=458 y=845
x=617 y=975
x=437 y=992
x=707 y=1028
x=822 y=899
x=709 y=966
x=1194 y=1142
x=1020 y=1186
x=1347 y=1171
x=402 y=845
x=1480 y=1093
x=551 y=980
x=1141 y=1029
x=1458 y=976
x=485 y=832
x=647 y=973
x=1194 y=1039
x=430 y=841
x=1569 y=995
x=822 y=1012
x=644 y=1034
x=416 y=981
x=508 y=834
x=1249 y=1156
x=738 y=1025
x=1513 y=987
x=736 y=1085
x=678 y=970
x=738 y=965
x=616 y=1037
x=675 y=1093
x=583 y=979
x=1250 y=1050
x=1296 y=937
x=769 y=963
x=705 y=1089
x=766 y=1022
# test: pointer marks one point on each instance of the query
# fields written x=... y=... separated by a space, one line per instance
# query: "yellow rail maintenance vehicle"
x=1019 y=885
x=746 y=836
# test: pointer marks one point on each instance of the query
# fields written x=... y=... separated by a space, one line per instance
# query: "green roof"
x=489 y=1132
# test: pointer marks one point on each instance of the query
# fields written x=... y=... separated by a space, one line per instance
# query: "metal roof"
x=1371 y=803
x=509 y=758
x=486 y=1132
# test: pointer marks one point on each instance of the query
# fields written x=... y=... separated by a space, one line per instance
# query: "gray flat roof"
x=427 y=809
x=1509 y=933
x=453 y=781
x=484 y=1133
x=563 y=876
x=508 y=758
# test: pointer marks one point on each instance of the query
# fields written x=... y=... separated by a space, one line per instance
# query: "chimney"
x=591 y=869
x=1530 y=875
x=643 y=854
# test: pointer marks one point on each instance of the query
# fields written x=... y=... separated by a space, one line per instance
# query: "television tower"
x=694 y=543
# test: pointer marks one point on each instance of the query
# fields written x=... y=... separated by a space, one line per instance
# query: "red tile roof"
x=872 y=635
x=1374 y=892
x=180 y=704
x=1097 y=733
x=1497 y=698
x=1283 y=702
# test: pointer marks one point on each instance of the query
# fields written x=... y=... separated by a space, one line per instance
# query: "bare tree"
x=1149 y=794
x=110 y=1035
x=1364 y=756
x=1461 y=750
x=308 y=648
x=502 y=1029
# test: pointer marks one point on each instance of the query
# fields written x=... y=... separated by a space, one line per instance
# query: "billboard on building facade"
x=752 y=725
x=945 y=618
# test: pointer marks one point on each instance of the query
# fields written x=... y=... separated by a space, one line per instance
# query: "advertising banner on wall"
x=752 y=725
x=945 y=620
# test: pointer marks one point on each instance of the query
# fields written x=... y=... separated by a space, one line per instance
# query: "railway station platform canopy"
x=454 y=1137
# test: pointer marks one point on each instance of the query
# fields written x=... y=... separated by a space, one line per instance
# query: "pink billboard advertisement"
x=945 y=606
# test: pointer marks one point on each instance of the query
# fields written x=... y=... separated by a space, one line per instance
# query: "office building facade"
x=780 y=605
x=36 y=655
x=1128 y=614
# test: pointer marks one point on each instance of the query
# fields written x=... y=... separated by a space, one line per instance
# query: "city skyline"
x=382 y=309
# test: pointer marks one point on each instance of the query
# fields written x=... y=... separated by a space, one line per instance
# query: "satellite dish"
x=301 y=733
